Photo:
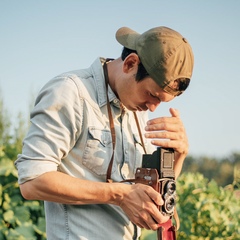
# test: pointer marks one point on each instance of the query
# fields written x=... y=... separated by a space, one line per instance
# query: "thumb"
x=174 y=112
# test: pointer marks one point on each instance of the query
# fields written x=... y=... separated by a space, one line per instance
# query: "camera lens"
x=169 y=204
x=169 y=196
x=171 y=187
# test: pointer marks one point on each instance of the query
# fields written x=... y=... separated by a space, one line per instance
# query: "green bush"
x=19 y=219
x=206 y=210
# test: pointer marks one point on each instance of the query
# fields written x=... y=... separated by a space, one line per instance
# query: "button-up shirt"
x=70 y=133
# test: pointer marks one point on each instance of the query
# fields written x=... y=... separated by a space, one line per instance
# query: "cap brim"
x=127 y=37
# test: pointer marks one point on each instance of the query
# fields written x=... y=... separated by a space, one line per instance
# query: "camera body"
x=163 y=161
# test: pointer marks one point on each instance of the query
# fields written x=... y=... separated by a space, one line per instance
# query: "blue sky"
x=41 y=39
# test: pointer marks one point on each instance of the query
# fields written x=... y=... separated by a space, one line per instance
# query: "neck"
x=113 y=73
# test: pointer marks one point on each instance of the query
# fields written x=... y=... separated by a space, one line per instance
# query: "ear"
x=131 y=63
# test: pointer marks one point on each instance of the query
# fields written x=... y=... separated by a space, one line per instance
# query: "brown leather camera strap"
x=109 y=170
x=111 y=122
x=139 y=132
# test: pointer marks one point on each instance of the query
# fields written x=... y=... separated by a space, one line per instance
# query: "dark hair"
x=141 y=73
x=183 y=84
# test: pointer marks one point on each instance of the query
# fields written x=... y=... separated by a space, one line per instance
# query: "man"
x=84 y=139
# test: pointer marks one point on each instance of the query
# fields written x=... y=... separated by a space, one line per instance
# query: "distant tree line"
x=222 y=170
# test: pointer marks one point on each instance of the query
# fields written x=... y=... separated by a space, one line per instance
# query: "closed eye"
x=156 y=97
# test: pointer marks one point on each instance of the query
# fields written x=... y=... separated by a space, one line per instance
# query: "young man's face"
x=143 y=95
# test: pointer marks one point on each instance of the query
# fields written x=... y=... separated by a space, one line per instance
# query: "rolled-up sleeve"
x=55 y=126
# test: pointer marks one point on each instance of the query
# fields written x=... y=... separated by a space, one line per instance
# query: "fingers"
x=174 y=112
x=161 y=122
x=141 y=205
x=144 y=220
x=168 y=132
x=149 y=219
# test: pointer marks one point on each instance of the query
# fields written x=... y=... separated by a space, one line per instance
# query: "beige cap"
x=165 y=53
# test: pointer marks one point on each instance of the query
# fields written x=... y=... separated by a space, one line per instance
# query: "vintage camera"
x=163 y=160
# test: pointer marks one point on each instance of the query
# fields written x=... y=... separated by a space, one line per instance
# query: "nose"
x=151 y=107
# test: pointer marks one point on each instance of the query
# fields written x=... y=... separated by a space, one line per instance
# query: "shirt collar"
x=98 y=75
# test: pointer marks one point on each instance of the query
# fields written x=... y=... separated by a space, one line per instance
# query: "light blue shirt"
x=70 y=133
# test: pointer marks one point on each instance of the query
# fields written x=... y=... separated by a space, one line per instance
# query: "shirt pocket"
x=98 y=151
